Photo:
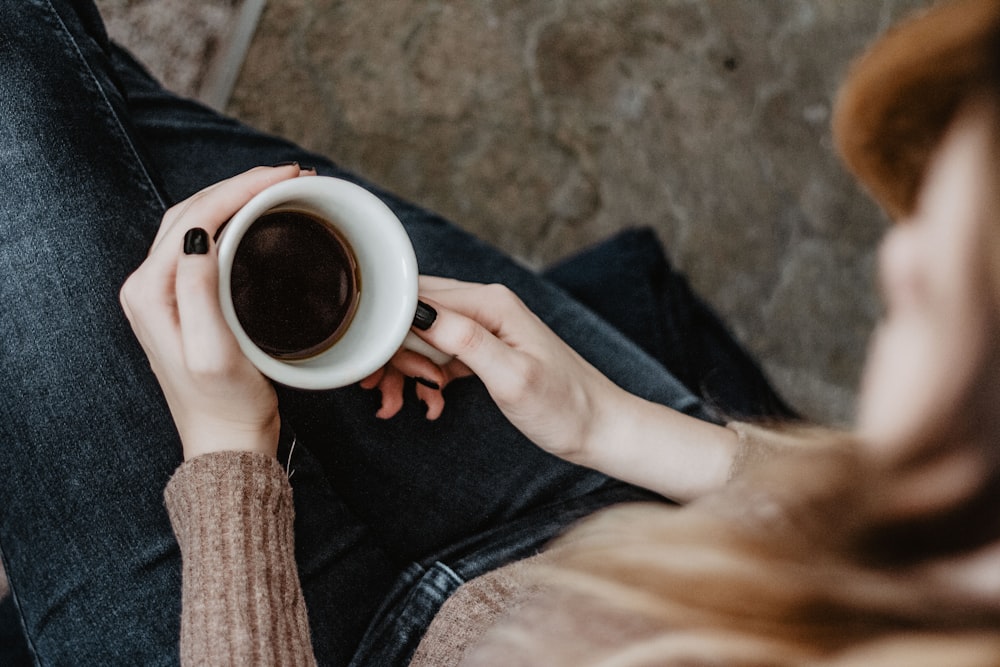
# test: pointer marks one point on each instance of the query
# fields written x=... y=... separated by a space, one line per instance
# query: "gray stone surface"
x=546 y=125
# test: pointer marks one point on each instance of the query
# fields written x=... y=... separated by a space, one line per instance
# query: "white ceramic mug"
x=387 y=268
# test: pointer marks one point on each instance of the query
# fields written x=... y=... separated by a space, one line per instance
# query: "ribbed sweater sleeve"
x=242 y=602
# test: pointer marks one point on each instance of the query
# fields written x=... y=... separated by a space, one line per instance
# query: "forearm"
x=241 y=598
x=658 y=448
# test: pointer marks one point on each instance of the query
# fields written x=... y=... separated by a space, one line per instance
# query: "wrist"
x=610 y=418
x=658 y=448
x=209 y=438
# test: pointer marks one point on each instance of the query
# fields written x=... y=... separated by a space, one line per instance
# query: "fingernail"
x=196 y=242
x=305 y=168
x=424 y=317
x=427 y=383
x=284 y=164
x=218 y=232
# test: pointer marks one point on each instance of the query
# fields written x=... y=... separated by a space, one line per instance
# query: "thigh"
x=81 y=520
x=628 y=281
x=86 y=452
x=87 y=441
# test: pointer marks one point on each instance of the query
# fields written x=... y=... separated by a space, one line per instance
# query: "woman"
x=725 y=587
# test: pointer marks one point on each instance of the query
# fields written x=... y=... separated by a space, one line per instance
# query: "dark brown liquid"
x=295 y=284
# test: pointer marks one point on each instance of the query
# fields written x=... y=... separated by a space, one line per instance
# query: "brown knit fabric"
x=471 y=611
x=242 y=602
x=759 y=444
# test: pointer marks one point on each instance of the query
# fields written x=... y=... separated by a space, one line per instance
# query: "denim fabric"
x=94 y=151
x=424 y=587
x=628 y=281
x=13 y=647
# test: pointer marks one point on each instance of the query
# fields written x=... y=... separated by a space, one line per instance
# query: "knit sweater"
x=242 y=602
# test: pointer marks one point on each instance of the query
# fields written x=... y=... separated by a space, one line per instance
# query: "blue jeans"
x=94 y=152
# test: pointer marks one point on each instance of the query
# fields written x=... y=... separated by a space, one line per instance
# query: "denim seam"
x=109 y=107
x=450 y=572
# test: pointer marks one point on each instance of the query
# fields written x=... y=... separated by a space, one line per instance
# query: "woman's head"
x=933 y=373
x=918 y=122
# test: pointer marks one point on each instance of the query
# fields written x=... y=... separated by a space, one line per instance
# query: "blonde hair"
x=780 y=568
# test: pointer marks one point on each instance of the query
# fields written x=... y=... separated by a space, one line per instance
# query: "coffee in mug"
x=295 y=284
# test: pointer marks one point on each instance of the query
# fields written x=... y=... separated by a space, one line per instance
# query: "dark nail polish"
x=196 y=242
x=285 y=164
x=427 y=383
x=424 y=317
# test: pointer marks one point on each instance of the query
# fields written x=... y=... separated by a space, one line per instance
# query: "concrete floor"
x=546 y=125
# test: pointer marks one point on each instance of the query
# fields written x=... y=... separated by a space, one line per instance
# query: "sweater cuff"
x=222 y=491
x=759 y=444
x=751 y=448
x=233 y=517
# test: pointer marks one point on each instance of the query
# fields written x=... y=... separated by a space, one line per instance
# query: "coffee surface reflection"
x=295 y=284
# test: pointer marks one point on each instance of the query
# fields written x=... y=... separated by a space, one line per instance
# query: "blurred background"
x=544 y=126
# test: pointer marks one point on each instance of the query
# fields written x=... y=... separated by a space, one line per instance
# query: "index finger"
x=479 y=348
x=212 y=207
x=495 y=306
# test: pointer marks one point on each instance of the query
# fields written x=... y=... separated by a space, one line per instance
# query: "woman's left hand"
x=218 y=400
